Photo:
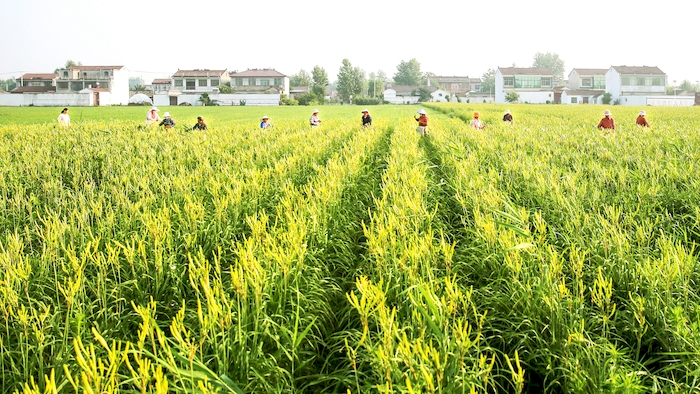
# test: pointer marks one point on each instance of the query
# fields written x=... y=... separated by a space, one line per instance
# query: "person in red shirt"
x=607 y=123
x=422 y=122
x=642 y=120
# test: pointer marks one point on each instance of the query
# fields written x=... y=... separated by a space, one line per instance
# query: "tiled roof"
x=475 y=80
x=638 y=70
x=95 y=68
x=199 y=73
x=590 y=71
x=525 y=71
x=256 y=73
x=33 y=89
x=39 y=76
x=160 y=81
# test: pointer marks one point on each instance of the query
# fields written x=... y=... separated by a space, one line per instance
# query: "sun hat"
x=476 y=114
x=200 y=118
x=642 y=113
x=315 y=111
x=166 y=114
x=155 y=109
x=421 y=111
x=265 y=117
x=365 y=110
x=507 y=111
x=607 y=112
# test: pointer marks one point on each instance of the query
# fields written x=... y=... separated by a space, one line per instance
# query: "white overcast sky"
x=154 y=38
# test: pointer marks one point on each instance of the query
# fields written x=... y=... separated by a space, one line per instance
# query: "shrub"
x=607 y=98
x=307 y=99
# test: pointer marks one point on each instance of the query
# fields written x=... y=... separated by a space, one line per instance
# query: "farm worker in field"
x=265 y=122
x=315 y=120
x=422 y=122
x=476 y=122
x=167 y=121
x=366 y=119
x=508 y=117
x=63 y=118
x=152 y=116
x=642 y=120
x=607 y=123
x=200 y=125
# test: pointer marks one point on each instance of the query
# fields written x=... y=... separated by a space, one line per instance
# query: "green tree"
x=8 y=84
x=408 y=73
x=424 y=94
x=225 y=89
x=687 y=85
x=350 y=81
x=375 y=87
x=302 y=78
x=427 y=76
x=382 y=76
x=139 y=88
x=69 y=64
x=206 y=100
x=512 y=97
x=488 y=81
x=319 y=77
x=550 y=61
x=607 y=98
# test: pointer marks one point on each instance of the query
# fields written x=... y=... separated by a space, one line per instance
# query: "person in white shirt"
x=476 y=122
x=152 y=117
x=63 y=118
x=315 y=120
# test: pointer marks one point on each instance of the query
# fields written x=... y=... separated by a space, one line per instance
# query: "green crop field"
x=543 y=256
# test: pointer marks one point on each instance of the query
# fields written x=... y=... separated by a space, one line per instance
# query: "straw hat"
x=166 y=114
x=315 y=111
x=365 y=110
x=421 y=111
x=476 y=114
x=155 y=109
x=642 y=113
x=607 y=112
x=507 y=111
x=265 y=117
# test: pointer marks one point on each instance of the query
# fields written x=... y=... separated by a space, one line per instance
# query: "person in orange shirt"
x=422 y=122
x=642 y=120
x=607 y=123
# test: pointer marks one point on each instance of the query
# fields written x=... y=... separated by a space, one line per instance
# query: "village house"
x=114 y=79
x=161 y=85
x=533 y=85
x=199 y=81
x=36 y=83
x=407 y=94
x=474 y=84
x=455 y=85
x=625 y=81
x=260 y=81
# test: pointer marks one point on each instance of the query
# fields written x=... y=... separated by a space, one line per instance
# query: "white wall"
x=574 y=81
x=680 y=101
x=120 y=86
x=535 y=97
x=500 y=95
x=46 y=99
x=613 y=83
x=228 y=99
x=15 y=100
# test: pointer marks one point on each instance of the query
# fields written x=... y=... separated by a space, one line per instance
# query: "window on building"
x=546 y=82
x=657 y=81
x=62 y=85
x=509 y=81
x=278 y=81
x=598 y=82
x=529 y=82
x=202 y=82
x=239 y=81
x=265 y=82
x=647 y=81
x=65 y=74
x=189 y=83
x=633 y=81
x=106 y=74
x=251 y=81
x=178 y=82
x=214 y=82
x=84 y=75
x=625 y=81
x=574 y=100
x=76 y=86
x=586 y=82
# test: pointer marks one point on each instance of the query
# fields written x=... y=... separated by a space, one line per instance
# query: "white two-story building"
x=533 y=84
x=114 y=79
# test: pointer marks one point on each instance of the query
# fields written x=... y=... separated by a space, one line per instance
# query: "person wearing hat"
x=508 y=117
x=152 y=116
x=607 y=123
x=315 y=120
x=265 y=122
x=476 y=122
x=366 y=119
x=167 y=121
x=642 y=120
x=422 y=122
x=200 y=125
x=63 y=118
